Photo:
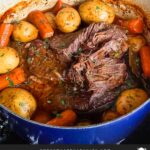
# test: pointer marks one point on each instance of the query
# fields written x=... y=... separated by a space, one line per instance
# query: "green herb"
x=11 y=83
x=55 y=114
x=58 y=115
x=29 y=59
x=79 y=51
x=33 y=48
x=97 y=7
x=49 y=101
x=37 y=53
x=8 y=71
x=22 y=104
x=46 y=41
x=61 y=82
x=137 y=60
x=62 y=45
x=62 y=101
x=129 y=84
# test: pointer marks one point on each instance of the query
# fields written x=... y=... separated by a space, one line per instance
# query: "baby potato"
x=109 y=115
x=68 y=20
x=136 y=43
x=19 y=101
x=51 y=19
x=9 y=58
x=129 y=100
x=96 y=11
x=25 y=32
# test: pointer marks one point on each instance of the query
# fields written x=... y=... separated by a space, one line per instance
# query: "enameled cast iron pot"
x=107 y=133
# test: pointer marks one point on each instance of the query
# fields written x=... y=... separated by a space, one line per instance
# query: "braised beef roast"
x=84 y=70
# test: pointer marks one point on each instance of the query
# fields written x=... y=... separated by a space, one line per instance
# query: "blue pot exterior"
x=107 y=133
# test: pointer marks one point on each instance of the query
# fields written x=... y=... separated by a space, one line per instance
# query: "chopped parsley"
x=129 y=84
x=46 y=43
x=62 y=45
x=33 y=48
x=22 y=104
x=58 y=115
x=11 y=83
x=61 y=82
x=97 y=7
x=79 y=51
x=37 y=53
x=62 y=101
x=49 y=101
x=29 y=59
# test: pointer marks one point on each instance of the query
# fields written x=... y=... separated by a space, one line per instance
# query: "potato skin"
x=10 y=59
x=68 y=20
x=94 y=11
x=136 y=43
x=19 y=101
x=109 y=115
x=25 y=32
x=129 y=100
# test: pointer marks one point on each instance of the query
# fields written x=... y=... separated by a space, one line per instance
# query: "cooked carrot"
x=66 y=118
x=135 y=26
x=40 y=21
x=5 y=33
x=57 y=7
x=145 y=60
x=15 y=77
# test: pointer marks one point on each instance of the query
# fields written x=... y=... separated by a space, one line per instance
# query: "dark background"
x=140 y=136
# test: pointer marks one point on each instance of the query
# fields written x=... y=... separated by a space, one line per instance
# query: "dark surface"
x=139 y=136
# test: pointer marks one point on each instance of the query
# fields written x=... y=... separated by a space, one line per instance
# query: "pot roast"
x=85 y=70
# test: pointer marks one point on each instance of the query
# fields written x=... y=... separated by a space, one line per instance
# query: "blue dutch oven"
x=107 y=133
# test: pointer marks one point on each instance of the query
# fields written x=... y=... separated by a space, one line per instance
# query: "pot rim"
x=84 y=127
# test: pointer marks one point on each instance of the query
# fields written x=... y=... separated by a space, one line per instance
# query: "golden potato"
x=109 y=115
x=68 y=19
x=9 y=58
x=25 y=32
x=19 y=101
x=136 y=43
x=96 y=11
x=129 y=100
x=51 y=19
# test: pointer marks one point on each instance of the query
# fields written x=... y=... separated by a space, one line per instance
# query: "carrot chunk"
x=15 y=77
x=145 y=60
x=66 y=118
x=40 y=21
x=5 y=33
